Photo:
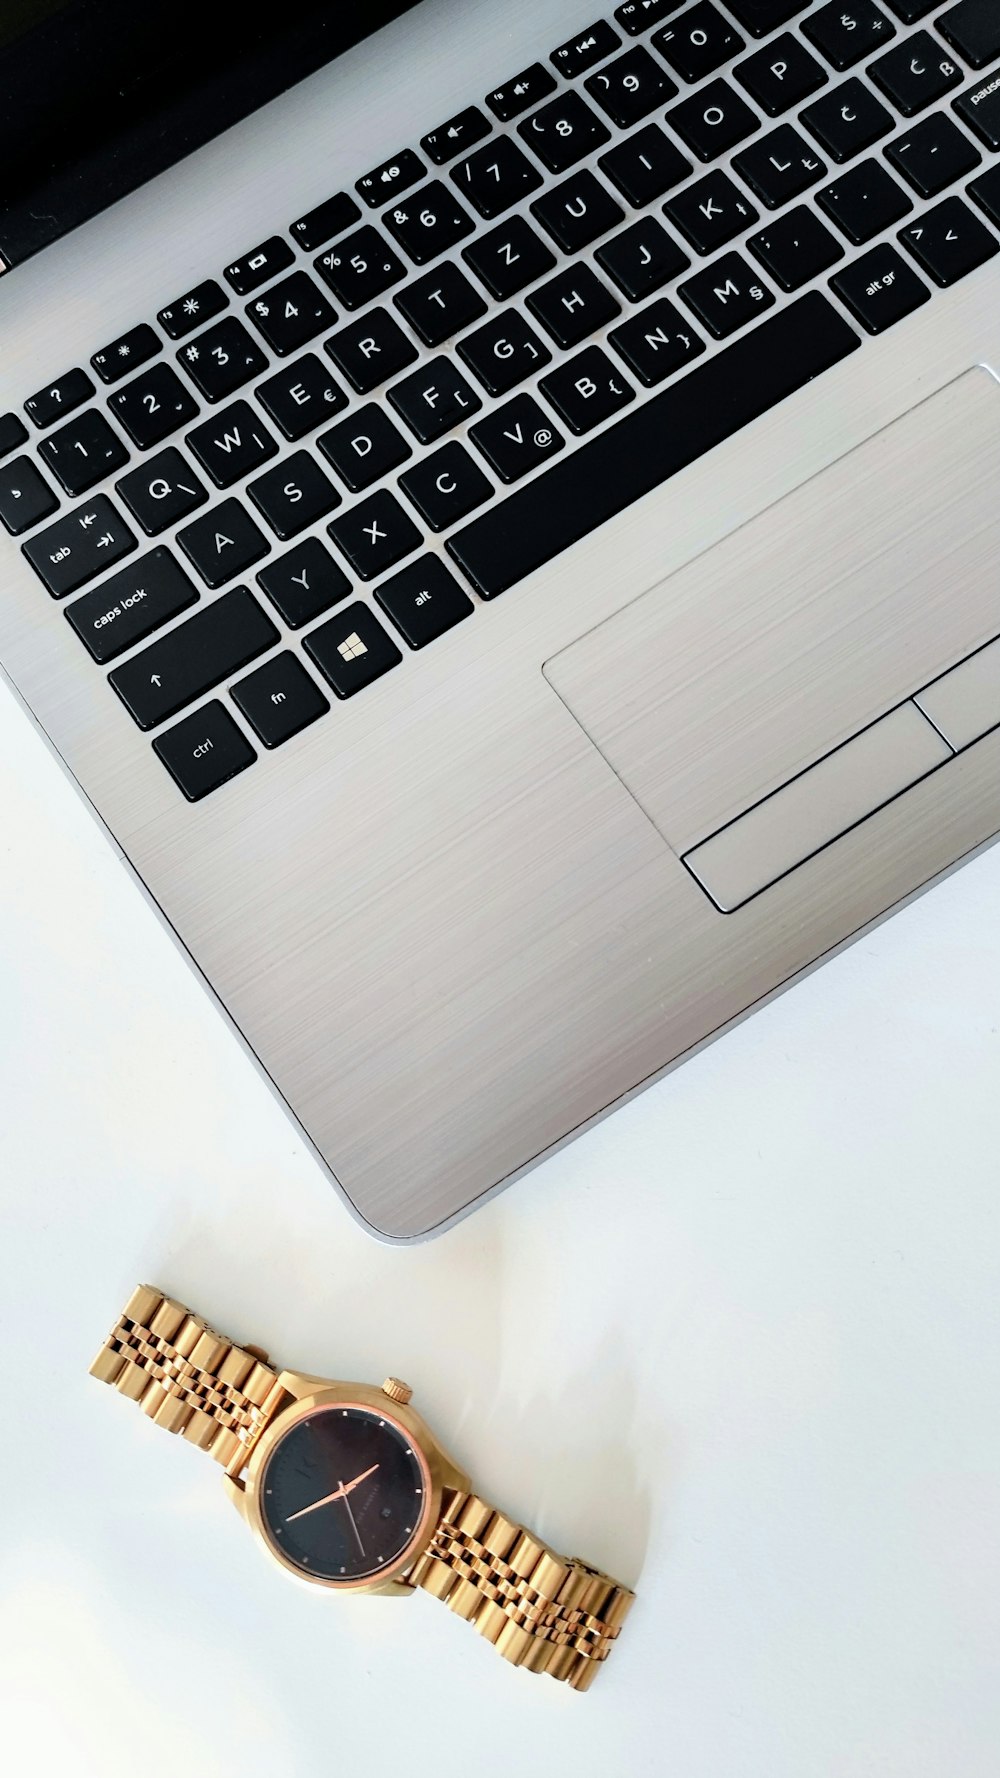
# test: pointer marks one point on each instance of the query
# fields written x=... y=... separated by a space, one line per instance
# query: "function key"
x=81 y=544
x=255 y=268
x=880 y=288
x=25 y=498
x=279 y=699
x=83 y=452
x=320 y=225
x=909 y=11
x=13 y=432
x=125 y=353
x=462 y=131
x=59 y=398
x=523 y=91
x=846 y=34
x=760 y=17
x=581 y=52
x=973 y=28
x=384 y=183
x=638 y=15
x=980 y=109
x=204 y=751
x=190 y=310
x=223 y=359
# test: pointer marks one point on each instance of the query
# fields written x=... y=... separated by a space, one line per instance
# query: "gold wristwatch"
x=346 y=1487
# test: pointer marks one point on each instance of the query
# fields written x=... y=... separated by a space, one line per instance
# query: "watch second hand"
x=354 y=1524
x=340 y=1493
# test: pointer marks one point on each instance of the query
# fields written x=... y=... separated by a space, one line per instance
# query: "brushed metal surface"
x=447 y=933
x=965 y=703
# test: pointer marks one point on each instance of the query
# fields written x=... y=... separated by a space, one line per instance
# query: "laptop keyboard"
x=507 y=334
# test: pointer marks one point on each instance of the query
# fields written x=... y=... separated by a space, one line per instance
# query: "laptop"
x=500 y=520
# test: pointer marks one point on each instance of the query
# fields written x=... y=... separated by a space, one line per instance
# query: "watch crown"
x=397 y=1391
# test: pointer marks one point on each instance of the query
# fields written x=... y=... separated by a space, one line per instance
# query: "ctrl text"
x=202 y=748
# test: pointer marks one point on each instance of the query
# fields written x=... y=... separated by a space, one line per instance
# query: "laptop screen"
x=97 y=96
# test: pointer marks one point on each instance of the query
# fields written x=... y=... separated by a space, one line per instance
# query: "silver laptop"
x=502 y=520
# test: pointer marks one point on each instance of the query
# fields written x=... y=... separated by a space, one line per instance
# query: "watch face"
x=343 y=1493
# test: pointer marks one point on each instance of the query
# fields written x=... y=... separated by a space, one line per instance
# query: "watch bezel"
x=368 y=1401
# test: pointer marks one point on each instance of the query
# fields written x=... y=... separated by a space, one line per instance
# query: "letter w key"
x=232 y=443
x=516 y=438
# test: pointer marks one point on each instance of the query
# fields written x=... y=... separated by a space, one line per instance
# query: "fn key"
x=204 y=751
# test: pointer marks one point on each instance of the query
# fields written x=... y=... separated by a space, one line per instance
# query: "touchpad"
x=718 y=687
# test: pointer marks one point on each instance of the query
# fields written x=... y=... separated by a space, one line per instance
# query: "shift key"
x=129 y=606
x=194 y=657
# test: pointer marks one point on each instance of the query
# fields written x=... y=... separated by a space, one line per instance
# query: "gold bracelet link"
x=188 y=1378
x=548 y=1613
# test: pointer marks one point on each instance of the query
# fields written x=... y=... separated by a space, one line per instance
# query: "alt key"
x=204 y=751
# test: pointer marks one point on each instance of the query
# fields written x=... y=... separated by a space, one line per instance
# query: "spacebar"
x=651 y=444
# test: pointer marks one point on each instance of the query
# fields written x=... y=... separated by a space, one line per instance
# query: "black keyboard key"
x=496 y=177
x=360 y=268
x=914 y=73
x=279 y=699
x=509 y=257
x=223 y=359
x=761 y=17
x=352 y=650
x=519 y=94
x=304 y=583
x=845 y=34
x=631 y=87
x=909 y=11
x=658 y=438
x=364 y=448
x=293 y=495
x=229 y=633
x=371 y=350
x=726 y=295
x=434 y=399
x=796 y=248
x=83 y=452
x=258 y=267
x=577 y=211
x=646 y=166
x=847 y=120
x=223 y=542
x=880 y=288
x=585 y=49
x=973 y=28
x=126 y=353
x=460 y=132
x=162 y=492
x=78 y=546
x=564 y=132
x=642 y=258
x=391 y=179
x=59 y=398
x=193 y=309
x=13 y=432
x=516 y=438
x=698 y=42
x=574 y=305
x=232 y=443
x=711 y=212
x=656 y=343
x=782 y=75
x=864 y=201
x=327 y=220
x=204 y=751
x=428 y=223
x=131 y=605
x=949 y=241
x=25 y=499
x=440 y=304
x=446 y=486
x=375 y=534
x=503 y=352
x=713 y=121
x=423 y=601
x=291 y=314
x=587 y=390
x=780 y=166
x=301 y=397
x=985 y=191
x=980 y=109
x=639 y=15
x=933 y=155
x=154 y=406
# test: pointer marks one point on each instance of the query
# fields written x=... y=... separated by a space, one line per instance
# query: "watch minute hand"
x=338 y=1494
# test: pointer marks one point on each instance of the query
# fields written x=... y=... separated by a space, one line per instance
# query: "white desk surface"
x=740 y=1345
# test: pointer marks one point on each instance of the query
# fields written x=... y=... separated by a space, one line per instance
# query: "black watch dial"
x=343 y=1493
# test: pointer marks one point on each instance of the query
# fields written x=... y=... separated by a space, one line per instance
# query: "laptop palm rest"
x=816 y=664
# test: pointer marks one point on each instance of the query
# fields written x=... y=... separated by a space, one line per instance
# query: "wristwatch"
x=347 y=1487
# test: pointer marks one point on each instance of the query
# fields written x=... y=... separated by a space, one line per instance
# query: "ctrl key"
x=204 y=751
